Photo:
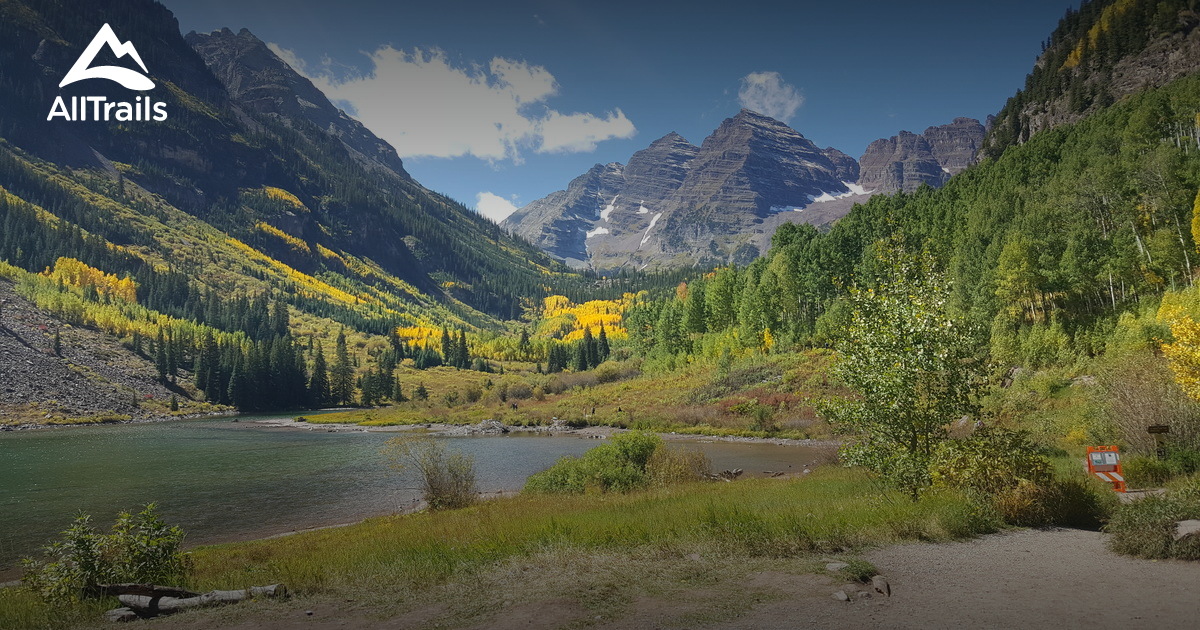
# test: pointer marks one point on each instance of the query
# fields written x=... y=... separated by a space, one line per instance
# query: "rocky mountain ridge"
x=676 y=204
x=907 y=161
x=260 y=82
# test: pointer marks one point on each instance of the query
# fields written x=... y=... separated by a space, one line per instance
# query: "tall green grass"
x=832 y=510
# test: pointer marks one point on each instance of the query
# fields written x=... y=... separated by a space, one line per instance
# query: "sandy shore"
x=491 y=427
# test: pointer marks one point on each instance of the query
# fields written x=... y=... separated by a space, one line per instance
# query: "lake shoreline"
x=486 y=427
x=491 y=427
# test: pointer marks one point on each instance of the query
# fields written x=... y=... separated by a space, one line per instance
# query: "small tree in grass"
x=447 y=477
x=913 y=365
x=141 y=548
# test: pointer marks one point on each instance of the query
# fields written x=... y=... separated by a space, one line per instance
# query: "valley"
x=680 y=383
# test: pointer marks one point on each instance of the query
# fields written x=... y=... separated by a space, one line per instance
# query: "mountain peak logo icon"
x=83 y=69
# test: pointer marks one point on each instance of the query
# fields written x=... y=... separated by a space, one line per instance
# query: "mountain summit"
x=677 y=204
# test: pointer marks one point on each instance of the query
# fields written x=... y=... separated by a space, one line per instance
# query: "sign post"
x=1158 y=431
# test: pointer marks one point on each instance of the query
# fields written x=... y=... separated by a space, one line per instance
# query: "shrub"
x=472 y=393
x=1007 y=470
x=447 y=477
x=989 y=461
x=1146 y=527
x=618 y=466
x=520 y=391
x=1138 y=391
x=141 y=548
x=612 y=371
x=668 y=466
x=1077 y=502
x=1144 y=471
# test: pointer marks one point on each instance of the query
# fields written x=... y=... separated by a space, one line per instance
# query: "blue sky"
x=499 y=102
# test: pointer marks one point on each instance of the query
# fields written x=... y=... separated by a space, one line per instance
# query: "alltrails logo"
x=99 y=107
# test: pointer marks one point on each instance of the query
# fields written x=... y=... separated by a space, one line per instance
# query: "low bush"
x=447 y=477
x=1077 y=502
x=629 y=461
x=520 y=391
x=1145 y=471
x=612 y=371
x=1006 y=470
x=989 y=461
x=1146 y=527
x=141 y=548
x=668 y=466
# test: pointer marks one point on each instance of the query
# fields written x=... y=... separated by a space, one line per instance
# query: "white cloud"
x=579 y=133
x=768 y=94
x=424 y=104
x=494 y=206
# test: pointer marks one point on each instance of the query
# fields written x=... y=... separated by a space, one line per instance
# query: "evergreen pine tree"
x=447 y=347
x=591 y=353
x=318 y=385
x=238 y=391
x=580 y=358
x=523 y=345
x=603 y=349
x=342 y=382
x=160 y=357
x=461 y=353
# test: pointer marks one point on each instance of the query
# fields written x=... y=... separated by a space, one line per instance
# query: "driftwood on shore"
x=724 y=475
x=144 y=600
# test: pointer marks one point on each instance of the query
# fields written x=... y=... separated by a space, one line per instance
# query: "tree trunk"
x=152 y=605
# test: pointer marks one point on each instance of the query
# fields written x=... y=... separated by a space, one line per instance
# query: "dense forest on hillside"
x=1044 y=246
x=1073 y=75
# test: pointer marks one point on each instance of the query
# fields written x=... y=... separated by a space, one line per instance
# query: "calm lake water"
x=222 y=480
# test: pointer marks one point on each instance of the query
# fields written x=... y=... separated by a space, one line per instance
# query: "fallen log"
x=149 y=590
x=151 y=606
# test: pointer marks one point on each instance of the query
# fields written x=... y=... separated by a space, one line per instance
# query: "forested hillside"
x=1045 y=246
x=1105 y=50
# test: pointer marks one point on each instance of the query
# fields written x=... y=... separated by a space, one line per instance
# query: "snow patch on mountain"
x=597 y=232
x=646 y=236
x=608 y=210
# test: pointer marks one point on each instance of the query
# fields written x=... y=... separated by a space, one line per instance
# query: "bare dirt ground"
x=1026 y=579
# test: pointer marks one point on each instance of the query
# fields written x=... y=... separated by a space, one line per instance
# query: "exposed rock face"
x=260 y=82
x=1169 y=50
x=954 y=146
x=752 y=163
x=906 y=161
x=847 y=168
x=676 y=204
x=900 y=163
x=559 y=222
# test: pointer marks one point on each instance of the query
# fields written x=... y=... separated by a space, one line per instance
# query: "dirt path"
x=1026 y=579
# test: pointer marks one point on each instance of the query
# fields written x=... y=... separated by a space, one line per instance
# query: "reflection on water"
x=222 y=480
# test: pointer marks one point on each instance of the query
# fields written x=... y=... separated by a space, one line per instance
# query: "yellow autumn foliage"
x=78 y=274
x=565 y=319
x=424 y=336
x=296 y=244
x=1102 y=26
x=310 y=285
x=279 y=194
x=1183 y=353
